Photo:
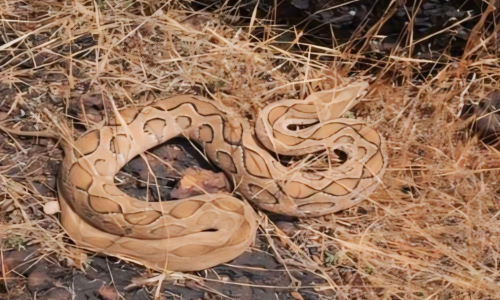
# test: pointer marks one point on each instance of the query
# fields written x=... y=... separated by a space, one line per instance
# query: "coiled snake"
x=203 y=231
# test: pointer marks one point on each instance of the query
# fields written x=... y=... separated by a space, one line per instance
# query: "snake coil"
x=203 y=231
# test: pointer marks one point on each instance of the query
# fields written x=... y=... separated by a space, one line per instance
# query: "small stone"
x=200 y=181
x=56 y=294
x=288 y=228
x=296 y=295
x=51 y=207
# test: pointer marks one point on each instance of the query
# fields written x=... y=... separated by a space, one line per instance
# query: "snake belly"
x=203 y=231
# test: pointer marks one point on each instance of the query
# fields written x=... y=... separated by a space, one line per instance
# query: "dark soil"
x=434 y=30
x=253 y=275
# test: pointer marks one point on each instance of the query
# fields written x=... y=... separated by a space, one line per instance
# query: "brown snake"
x=203 y=231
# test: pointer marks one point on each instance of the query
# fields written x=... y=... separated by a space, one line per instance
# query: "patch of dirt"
x=426 y=30
x=253 y=275
x=171 y=163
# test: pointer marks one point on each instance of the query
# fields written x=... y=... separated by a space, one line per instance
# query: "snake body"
x=203 y=231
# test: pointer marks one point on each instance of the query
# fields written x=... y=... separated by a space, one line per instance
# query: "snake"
x=287 y=163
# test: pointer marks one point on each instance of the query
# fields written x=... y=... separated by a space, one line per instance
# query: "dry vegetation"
x=430 y=231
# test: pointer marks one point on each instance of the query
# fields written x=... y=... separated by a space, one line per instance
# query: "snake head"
x=334 y=103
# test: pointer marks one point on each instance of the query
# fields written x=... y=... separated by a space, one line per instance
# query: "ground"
x=431 y=230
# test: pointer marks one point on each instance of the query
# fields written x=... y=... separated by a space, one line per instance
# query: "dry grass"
x=430 y=231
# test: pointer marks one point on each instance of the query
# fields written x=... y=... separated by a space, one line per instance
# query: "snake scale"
x=203 y=231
